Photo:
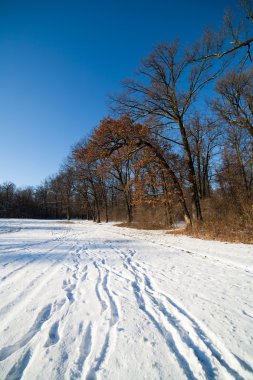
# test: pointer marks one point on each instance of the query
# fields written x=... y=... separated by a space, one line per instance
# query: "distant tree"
x=25 y=205
x=41 y=198
x=89 y=174
x=235 y=104
x=7 y=199
x=66 y=179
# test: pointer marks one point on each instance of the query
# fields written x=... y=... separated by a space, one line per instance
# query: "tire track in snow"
x=97 y=288
x=56 y=333
x=46 y=313
x=30 y=285
x=53 y=335
x=6 y=276
x=16 y=372
x=29 y=261
x=30 y=247
x=42 y=317
x=79 y=275
x=34 y=288
x=111 y=334
x=218 y=351
x=114 y=308
x=139 y=294
x=44 y=256
x=168 y=337
x=205 y=357
x=172 y=329
x=70 y=286
x=84 y=351
x=198 y=254
x=222 y=355
x=38 y=282
x=208 y=354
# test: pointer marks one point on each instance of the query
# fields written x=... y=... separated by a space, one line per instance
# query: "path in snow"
x=86 y=301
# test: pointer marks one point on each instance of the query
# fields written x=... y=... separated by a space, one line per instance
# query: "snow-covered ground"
x=85 y=301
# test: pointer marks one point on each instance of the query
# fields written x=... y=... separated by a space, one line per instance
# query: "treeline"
x=179 y=147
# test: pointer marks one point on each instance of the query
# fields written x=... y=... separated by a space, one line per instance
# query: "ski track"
x=84 y=351
x=29 y=252
x=144 y=290
x=86 y=261
x=35 y=286
x=64 y=311
x=110 y=304
x=42 y=317
x=182 y=250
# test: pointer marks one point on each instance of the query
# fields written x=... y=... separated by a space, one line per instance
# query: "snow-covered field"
x=85 y=301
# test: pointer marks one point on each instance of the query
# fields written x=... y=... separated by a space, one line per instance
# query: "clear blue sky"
x=59 y=61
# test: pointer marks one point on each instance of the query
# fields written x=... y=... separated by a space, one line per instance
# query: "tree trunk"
x=129 y=209
x=169 y=218
x=177 y=186
x=241 y=166
x=68 y=212
x=192 y=175
x=98 y=218
x=104 y=192
x=168 y=208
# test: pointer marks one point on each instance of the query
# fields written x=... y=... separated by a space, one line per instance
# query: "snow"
x=80 y=300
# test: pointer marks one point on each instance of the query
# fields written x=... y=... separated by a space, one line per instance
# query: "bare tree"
x=205 y=141
x=170 y=83
x=237 y=32
x=235 y=104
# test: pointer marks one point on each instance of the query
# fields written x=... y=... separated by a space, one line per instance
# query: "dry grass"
x=218 y=231
x=208 y=231
x=224 y=220
x=142 y=226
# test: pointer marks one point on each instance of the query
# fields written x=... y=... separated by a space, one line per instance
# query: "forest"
x=177 y=146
